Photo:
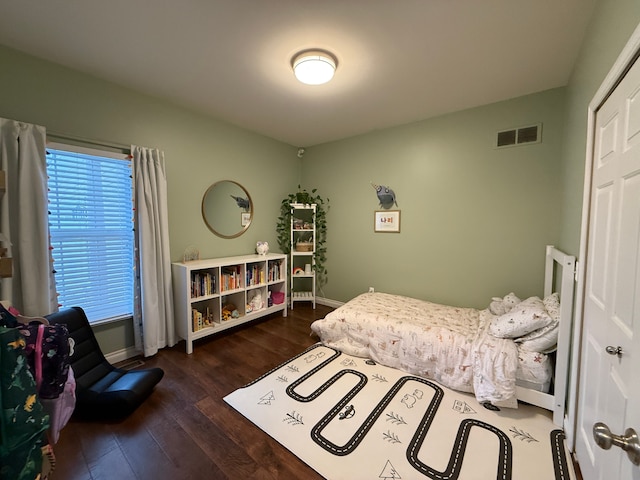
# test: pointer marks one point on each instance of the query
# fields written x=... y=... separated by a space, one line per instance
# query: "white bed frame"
x=560 y=279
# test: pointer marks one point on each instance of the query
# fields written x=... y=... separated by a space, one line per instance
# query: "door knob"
x=628 y=442
x=611 y=350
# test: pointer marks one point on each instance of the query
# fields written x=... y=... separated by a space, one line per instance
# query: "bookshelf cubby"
x=219 y=293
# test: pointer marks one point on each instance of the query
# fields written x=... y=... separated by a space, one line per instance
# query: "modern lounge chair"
x=103 y=392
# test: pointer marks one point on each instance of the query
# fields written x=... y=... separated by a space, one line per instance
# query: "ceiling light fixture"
x=314 y=67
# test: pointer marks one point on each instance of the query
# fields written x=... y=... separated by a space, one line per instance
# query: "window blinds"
x=91 y=227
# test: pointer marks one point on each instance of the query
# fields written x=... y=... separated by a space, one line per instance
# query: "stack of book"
x=255 y=274
x=230 y=278
x=202 y=284
x=201 y=320
x=274 y=270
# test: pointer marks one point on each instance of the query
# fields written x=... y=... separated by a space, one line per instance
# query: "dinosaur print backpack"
x=23 y=423
x=48 y=348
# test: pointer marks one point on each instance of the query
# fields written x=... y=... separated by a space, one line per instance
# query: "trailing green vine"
x=283 y=227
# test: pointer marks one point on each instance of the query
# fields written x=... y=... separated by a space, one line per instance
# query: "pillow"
x=543 y=340
x=524 y=318
x=552 y=306
x=534 y=367
x=500 y=306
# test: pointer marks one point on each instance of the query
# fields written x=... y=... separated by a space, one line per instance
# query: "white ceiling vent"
x=519 y=136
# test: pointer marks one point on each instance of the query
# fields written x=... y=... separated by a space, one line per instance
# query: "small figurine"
x=242 y=202
x=386 y=196
x=262 y=248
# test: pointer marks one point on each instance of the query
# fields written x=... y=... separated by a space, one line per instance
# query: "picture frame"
x=245 y=218
x=386 y=221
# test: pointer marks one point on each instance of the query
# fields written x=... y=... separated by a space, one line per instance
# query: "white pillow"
x=524 y=318
x=543 y=340
x=534 y=367
x=552 y=305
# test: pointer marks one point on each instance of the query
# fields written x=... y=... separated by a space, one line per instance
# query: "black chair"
x=102 y=390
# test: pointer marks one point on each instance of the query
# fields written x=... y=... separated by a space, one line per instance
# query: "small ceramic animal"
x=262 y=248
x=386 y=196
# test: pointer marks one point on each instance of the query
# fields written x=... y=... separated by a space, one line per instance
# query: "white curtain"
x=155 y=321
x=24 y=219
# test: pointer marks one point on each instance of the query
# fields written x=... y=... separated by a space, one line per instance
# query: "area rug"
x=350 y=418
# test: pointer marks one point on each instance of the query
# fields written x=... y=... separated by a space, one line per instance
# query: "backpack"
x=48 y=348
x=23 y=422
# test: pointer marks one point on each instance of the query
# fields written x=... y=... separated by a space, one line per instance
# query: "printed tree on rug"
x=389 y=472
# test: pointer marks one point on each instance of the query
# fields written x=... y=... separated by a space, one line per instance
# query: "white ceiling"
x=399 y=60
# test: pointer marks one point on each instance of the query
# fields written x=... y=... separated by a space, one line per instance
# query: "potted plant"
x=283 y=227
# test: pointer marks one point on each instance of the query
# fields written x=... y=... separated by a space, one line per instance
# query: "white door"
x=610 y=366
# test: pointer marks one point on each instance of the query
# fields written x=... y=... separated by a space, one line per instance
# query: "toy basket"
x=304 y=247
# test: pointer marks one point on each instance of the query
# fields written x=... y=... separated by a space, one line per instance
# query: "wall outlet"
x=371 y=290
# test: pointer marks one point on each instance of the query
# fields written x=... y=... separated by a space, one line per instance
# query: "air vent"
x=519 y=136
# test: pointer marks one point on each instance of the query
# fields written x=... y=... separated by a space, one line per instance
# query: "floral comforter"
x=450 y=345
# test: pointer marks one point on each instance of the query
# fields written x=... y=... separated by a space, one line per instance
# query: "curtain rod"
x=88 y=141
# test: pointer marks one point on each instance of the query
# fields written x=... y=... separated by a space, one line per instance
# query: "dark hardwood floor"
x=185 y=430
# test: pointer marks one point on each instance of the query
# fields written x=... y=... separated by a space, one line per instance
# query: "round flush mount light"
x=314 y=67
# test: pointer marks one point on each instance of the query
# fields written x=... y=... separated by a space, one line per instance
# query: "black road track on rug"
x=452 y=472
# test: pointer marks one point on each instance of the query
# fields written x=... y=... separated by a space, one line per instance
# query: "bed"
x=515 y=349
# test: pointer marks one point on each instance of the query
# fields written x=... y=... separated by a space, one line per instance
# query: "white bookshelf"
x=203 y=288
x=303 y=261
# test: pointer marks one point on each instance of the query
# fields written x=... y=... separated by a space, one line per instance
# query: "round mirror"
x=227 y=209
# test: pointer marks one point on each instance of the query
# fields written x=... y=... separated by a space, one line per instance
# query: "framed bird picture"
x=386 y=221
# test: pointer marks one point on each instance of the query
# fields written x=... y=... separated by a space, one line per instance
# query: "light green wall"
x=474 y=219
x=611 y=26
x=198 y=151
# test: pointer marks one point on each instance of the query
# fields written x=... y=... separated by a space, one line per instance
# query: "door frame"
x=622 y=64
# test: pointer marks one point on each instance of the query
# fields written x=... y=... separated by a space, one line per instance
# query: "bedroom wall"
x=611 y=26
x=198 y=151
x=474 y=219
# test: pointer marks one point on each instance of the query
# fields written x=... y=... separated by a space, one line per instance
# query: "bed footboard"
x=559 y=277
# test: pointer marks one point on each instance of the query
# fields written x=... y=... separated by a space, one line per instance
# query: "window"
x=91 y=227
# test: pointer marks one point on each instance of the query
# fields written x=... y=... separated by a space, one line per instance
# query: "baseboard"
x=328 y=302
x=121 y=355
x=130 y=352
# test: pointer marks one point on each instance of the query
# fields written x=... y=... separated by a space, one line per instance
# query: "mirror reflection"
x=227 y=209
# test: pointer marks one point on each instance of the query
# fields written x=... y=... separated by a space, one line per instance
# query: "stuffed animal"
x=500 y=306
x=229 y=311
x=255 y=300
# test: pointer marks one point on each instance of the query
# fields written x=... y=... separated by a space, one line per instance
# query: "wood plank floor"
x=185 y=430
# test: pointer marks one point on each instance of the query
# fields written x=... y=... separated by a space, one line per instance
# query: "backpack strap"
x=37 y=357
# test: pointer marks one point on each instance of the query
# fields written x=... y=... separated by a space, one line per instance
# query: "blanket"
x=448 y=344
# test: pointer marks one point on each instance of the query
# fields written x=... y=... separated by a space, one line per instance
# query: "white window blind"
x=91 y=227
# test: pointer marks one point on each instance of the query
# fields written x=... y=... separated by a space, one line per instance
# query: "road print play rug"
x=350 y=418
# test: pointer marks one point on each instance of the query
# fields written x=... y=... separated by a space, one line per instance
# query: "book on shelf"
x=202 y=284
x=201 y=320
x=274 y=273
x=255 y=275
x=231 y=278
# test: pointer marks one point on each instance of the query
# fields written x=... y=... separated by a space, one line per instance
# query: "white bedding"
x=448 y=344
